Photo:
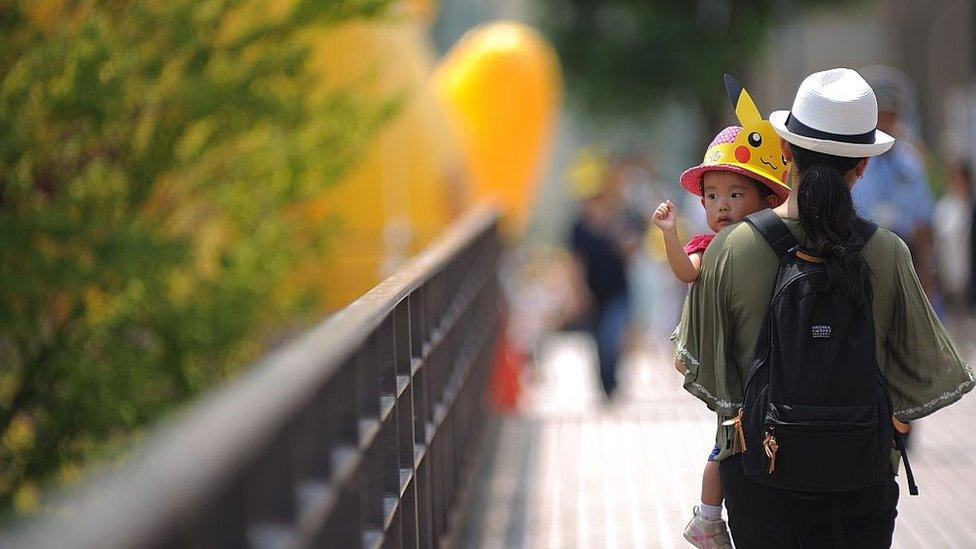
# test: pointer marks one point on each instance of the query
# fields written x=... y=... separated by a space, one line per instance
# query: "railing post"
x=405 y=420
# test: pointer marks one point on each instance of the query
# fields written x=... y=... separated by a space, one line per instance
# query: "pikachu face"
x=757 y=147
x=752 y=150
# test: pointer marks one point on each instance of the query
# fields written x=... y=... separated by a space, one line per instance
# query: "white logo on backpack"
x=820 y=331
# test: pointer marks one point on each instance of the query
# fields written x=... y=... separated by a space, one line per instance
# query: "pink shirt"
x=698 y=243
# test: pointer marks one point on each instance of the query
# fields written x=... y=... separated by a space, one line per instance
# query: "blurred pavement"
x=570 y=471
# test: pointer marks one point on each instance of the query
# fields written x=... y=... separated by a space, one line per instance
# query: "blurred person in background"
x=603 y=238
x=894 y=191
x=952 y=226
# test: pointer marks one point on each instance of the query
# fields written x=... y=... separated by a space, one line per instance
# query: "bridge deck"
x=570 y=471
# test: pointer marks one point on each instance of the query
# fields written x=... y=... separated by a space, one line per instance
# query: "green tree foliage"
x=152 y=154
x=622 y=56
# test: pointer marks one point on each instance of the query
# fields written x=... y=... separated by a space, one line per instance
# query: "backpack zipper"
x=771 y=447
x=739 y=438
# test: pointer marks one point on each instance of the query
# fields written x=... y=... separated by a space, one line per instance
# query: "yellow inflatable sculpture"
x=501 y=86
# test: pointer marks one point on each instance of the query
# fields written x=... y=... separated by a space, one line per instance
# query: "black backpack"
x=816 y=416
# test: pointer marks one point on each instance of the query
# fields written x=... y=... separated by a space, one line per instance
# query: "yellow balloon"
x=501 y=85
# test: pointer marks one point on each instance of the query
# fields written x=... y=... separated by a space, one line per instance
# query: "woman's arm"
x=924 y=370
x=702 y=339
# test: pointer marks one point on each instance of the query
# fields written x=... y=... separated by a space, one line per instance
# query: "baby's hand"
x=666 y=217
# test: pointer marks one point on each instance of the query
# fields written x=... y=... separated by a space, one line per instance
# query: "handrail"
x=316 y=433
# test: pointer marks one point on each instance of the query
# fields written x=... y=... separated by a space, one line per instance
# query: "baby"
x=728 y=193
x=743 y=172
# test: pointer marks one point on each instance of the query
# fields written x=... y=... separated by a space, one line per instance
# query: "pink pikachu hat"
x=752 y=150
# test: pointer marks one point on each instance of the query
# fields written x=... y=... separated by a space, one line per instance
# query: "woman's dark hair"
x=831 y=224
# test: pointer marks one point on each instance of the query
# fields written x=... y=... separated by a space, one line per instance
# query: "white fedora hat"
x=834 y=112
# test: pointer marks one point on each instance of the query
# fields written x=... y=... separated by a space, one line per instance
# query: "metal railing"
x=358 y=434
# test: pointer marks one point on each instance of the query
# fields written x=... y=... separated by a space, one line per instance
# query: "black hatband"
x=799 y=128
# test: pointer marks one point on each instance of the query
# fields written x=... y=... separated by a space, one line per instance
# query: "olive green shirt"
x=725 y=308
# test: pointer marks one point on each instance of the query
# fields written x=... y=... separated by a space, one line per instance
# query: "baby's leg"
x=707 y=529
x=711 y=491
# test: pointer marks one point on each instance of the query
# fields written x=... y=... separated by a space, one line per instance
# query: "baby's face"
x=728 y=197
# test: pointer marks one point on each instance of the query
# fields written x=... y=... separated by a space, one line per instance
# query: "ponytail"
x=828 y=217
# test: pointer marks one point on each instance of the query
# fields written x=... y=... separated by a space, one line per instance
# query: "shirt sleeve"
x=702 y=339
x=924 y=371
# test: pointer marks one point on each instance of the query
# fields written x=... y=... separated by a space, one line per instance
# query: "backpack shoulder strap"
x=772 y=228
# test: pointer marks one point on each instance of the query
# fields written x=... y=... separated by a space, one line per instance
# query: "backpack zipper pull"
x=739 y=438
x=771 y=446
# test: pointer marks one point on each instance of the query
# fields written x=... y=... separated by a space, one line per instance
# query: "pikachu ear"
x=745 y=108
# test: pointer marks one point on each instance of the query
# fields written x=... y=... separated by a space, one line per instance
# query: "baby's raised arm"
x=683 y=266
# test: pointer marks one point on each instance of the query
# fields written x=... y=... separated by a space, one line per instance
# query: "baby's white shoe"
x=708 y=534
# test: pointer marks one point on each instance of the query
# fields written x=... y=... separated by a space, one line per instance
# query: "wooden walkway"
x=571 y=471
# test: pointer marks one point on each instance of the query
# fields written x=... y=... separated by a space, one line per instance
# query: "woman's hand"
x=665 y=217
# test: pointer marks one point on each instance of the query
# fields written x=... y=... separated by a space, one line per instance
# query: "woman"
x=829 y=136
